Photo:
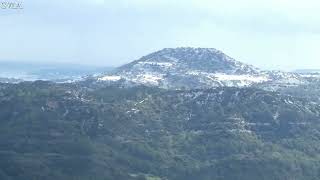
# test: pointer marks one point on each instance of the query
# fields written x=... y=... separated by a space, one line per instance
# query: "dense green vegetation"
x=74 y=132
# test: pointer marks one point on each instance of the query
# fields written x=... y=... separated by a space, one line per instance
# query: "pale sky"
x=276 y=34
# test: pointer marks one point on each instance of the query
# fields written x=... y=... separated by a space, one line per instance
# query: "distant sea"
x=40 y=71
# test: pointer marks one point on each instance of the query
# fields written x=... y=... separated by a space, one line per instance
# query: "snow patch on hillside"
x=153 y=79
x=249 y=78
x=162 y=64
x=110 y=78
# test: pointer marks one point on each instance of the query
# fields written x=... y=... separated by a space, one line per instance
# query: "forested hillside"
x=73 y=132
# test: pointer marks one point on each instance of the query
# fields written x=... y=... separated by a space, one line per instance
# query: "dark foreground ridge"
x=70 y=131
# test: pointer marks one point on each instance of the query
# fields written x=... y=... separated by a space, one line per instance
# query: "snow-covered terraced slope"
x=194 y=68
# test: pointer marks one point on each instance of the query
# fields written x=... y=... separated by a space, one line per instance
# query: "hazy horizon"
x=102 y=64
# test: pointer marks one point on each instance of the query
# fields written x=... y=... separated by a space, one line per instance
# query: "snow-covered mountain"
x=309 y=73
x=192 y=68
